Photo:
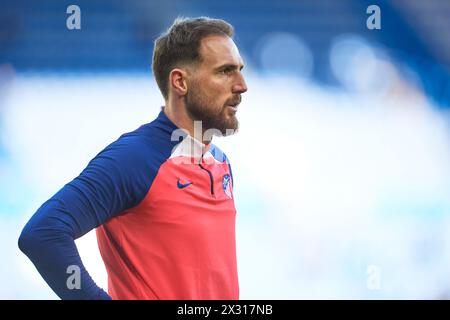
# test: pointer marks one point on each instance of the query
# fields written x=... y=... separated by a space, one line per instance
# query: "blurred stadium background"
x=342 y=163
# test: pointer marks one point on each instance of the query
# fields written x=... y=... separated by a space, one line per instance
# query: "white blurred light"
x=359 y=67
x=285 y=54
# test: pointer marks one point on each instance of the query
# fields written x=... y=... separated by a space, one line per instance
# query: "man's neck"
x=182 y=120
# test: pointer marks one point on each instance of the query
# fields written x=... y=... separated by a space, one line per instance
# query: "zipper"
x=210 y=179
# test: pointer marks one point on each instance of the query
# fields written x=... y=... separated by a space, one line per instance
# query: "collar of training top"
x=185 y=144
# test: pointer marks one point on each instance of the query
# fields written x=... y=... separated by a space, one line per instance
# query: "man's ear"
x=177 y=81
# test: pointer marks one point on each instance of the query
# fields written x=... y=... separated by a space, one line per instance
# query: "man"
x=161 y=197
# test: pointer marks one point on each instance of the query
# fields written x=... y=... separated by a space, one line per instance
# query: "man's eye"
x=226 y=71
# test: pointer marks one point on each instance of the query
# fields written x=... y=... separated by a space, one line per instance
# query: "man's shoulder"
x=146 y=145
x=149 y=132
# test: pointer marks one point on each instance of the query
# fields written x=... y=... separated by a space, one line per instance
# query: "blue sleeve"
x=116 y=179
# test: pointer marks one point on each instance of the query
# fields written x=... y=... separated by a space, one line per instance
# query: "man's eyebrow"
x=230 y=66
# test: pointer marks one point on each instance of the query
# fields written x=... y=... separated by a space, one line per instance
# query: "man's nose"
x=240 y=86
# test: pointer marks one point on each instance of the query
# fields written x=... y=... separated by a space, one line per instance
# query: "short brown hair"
x=180 y=44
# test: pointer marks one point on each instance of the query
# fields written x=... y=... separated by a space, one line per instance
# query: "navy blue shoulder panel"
x=118 y=178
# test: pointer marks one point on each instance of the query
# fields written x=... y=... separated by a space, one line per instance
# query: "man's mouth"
x=233 y=107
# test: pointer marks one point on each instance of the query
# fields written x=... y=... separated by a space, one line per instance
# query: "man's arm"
x=48 y=241
x=112 y=182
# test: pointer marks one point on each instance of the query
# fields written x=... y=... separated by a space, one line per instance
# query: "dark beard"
x=211 y=119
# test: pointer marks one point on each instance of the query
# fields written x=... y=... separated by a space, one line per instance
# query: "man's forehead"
x=219 y=50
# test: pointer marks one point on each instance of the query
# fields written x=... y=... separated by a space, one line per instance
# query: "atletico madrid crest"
x=226 y=185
